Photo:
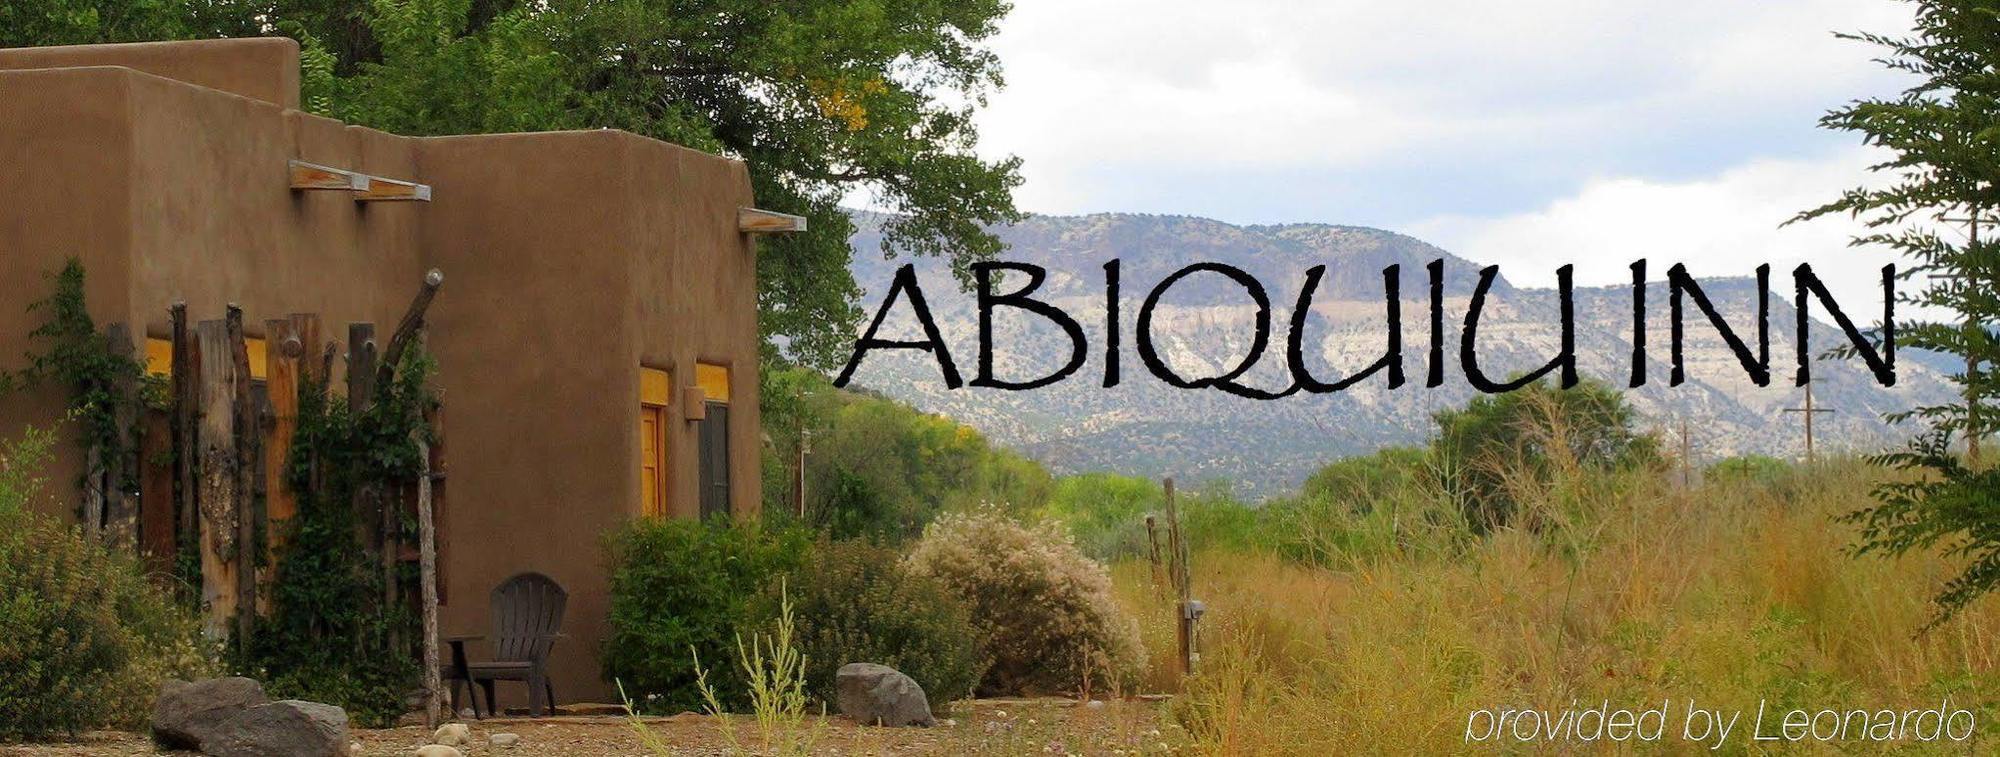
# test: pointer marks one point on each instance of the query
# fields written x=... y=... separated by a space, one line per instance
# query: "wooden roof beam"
x=310 y=176
x=313 y=176
x=755 y=221
x=393 y=190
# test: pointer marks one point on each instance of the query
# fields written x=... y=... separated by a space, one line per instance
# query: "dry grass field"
x=1629 y=591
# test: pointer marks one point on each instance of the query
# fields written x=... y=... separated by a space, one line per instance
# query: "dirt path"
x=985 y=727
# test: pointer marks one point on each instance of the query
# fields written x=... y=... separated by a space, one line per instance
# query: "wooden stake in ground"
x=1178 y=571
x=1153 y=555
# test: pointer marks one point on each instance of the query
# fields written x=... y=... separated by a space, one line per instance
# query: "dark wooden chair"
x=527 y=620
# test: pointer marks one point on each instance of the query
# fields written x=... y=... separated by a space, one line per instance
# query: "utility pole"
x=1808 y=411
x=1972 y=430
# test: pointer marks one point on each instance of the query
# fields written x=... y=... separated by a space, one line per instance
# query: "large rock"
x=287 y=728
x=874 y=694
x=451 y=734
x=188 y=714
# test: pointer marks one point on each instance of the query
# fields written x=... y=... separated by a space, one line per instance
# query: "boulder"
x=503 y=740
x=189 y=713
x=451 y=734
x=438 y=750
x=874 y=694
x=286 y=728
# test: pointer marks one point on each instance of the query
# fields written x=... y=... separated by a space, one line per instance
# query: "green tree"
x=77 y=22
x=1943 y=137
x=883 y=469
x=1498 y=446
x=822 y=98
x=1356 y=484
x=1105 y=512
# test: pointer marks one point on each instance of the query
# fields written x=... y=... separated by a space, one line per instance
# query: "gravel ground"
x=984 y=727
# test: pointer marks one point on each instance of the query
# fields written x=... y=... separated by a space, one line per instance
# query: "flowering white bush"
x=1048 y=611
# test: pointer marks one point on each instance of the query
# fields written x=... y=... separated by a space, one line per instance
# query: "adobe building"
x=595 y=338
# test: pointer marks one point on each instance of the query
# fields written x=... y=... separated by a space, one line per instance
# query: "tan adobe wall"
x=571 y=259
x=262 y=68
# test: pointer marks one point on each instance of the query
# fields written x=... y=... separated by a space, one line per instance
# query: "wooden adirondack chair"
x=527 y=620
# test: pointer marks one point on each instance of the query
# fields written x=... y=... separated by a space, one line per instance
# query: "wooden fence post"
x=216 y=495
x=1175 y=571
x=121 y=503
x=360 y=365
x=427 y=580
x=247 y=435
x=1186 y=610
x=282 y=360
x=427 y=586
x=408 y=329
x=185 y=377
x=1153 y=554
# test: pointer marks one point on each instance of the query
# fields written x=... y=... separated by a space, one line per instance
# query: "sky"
x=1529 y=133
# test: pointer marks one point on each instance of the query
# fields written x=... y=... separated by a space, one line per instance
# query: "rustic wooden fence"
x=208 y=474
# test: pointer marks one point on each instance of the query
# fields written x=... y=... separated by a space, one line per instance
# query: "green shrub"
x=1358 y=509
x=1105 y=512
x=856 y=602
x=1500 y=452
x=1358 y=483
x=1757 y=469
x=85 y=639
x=1050 y=619
x=681 y=588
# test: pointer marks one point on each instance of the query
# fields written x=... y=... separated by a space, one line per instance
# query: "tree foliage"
x=77 y=22
x=824 y=100
x=1498 y=445
x=1937 y=209
x=879 y=468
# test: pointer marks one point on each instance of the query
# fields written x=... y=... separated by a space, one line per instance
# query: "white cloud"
x=1722 y=225
x=1105 y=88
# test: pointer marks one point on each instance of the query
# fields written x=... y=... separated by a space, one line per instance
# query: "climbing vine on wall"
x=330 y=635
x=69 y=350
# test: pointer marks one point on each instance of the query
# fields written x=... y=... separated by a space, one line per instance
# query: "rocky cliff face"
x=1206 y=323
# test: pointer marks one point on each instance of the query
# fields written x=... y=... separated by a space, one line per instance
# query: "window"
x=156 y=474
x=160 y=357
x=655 y=387
x=714 y=438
